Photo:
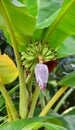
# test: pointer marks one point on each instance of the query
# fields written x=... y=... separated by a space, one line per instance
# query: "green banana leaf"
x=63 y=26
x=57 y=25
x=68 y=79
x=31 y=6
x=23 y=24
x=33 y=123
x=67 y=47
x=47 y=11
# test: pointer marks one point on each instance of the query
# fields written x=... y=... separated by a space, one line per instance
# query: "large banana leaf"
x=56 y=24
x=47 y=12
x=63 y=26
x=23 y=24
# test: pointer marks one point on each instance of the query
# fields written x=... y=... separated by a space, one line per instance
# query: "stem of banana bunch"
x=23 y=105
x=35 y=94
x=53 y=100
x=42 y=100
x=34 y=100
x=9 y=102
x=29 y=78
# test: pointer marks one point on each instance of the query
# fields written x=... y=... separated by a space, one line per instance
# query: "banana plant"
x=39 y=32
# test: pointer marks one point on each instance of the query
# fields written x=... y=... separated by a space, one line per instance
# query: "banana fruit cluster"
x=30 y=56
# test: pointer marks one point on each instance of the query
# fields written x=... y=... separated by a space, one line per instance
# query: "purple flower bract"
x=41 y=74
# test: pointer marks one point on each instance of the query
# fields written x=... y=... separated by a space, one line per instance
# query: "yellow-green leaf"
x=8 y=70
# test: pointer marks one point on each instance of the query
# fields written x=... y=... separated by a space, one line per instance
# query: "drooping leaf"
x=18 y=125
x=68 y=79
x=8 y=70
x=38 y=125
x=27 y=124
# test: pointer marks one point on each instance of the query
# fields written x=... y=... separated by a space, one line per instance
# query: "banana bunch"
x=30 y=56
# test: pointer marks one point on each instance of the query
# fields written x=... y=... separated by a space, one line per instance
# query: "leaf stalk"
x=9 y=102
x=23 y=106
x=53 y=100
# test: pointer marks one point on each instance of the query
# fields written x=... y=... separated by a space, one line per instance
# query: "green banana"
x=27 y=56
x=48 y=53
x=31 y=58
x=31 y=50
x=44 y=51
x=51 y=57
x=28 y=64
